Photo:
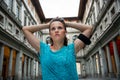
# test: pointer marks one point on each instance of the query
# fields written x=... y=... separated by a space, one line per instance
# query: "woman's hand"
x=86 y=30
x=32 y=39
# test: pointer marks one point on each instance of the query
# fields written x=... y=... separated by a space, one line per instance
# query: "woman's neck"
x=57 y=46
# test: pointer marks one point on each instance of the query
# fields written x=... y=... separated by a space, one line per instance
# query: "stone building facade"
x=18 y=59
x=101 y=59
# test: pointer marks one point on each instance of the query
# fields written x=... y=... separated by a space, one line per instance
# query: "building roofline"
x=82 y=7
x=39 y=10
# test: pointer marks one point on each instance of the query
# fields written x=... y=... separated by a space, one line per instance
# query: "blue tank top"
x=58 y=65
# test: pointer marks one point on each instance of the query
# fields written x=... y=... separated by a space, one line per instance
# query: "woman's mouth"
x=57 y=34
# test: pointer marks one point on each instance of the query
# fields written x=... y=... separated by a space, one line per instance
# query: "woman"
x=58 y=61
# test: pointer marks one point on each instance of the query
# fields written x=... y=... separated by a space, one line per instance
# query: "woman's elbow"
x=24 y=28
x=90 y=28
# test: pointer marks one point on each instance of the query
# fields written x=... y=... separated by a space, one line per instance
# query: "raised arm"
x=28 y=32
x=86 y=31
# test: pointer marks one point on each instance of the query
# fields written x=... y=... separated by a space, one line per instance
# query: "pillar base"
x=9 y=78
x=1 y=78
x=18 y=78
x=28 y=78
x=24 y=78
x=118 y=76
x=111 y=75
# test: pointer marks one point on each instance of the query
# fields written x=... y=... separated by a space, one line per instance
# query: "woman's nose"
x=56 y=30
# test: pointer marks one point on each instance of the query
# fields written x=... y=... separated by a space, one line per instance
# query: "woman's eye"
x=53 y=29
x=60 y=27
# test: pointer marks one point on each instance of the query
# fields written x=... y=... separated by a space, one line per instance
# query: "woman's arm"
x=85 y=29
x=28 y=32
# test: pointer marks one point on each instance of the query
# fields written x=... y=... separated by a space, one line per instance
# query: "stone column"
x=117 y=3
x=79 y=65
x=99 y=67
x=14 y=7
x=109 y=61
x=92 y=66
x=29 y=68
x=83 y=68
x=94 y=63
x=18 y=66
x=22 y=13
x=103 y=62
x=1 y=60
x=32 y=69
x=10 y=65
x=27 y=20
x=86 y=67
x=24 y=75
x=36 y=69
x=117 y=60
x=89 y=68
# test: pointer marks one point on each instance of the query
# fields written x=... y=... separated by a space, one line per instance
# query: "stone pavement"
x=99 y=79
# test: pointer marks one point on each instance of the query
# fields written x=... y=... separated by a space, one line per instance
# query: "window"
x=29 y=21
x=89 y=21
x=18 y=12
x=93 y=10
x=24 y=39
x=94 y=17
x=101 y=28
x=9 y=26
x=105 y=20
x=112 y=11
x=93 y=39
x=96 y=35
x=25 y=19
x=17 y=32
x=32 y=23
x=11 y=4
x=98 y=6
x=1 y=19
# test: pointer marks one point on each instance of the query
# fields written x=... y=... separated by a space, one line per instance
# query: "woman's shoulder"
x=71 y=45
x=43 y=44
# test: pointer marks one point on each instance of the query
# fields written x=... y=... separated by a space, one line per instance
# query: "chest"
x=56 y=59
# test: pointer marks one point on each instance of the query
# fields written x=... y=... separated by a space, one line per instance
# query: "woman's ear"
x=49 y=33
x=65 y=32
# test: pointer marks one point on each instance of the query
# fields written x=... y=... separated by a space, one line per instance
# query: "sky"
x=60 y=8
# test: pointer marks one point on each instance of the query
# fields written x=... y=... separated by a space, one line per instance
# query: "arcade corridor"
x=98 y=61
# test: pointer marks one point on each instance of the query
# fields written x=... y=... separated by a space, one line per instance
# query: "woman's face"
x=57 y=31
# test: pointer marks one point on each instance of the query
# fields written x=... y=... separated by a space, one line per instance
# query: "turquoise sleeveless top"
x=58 y=65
